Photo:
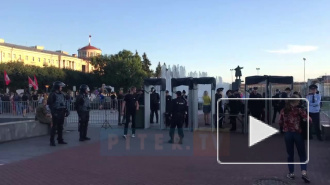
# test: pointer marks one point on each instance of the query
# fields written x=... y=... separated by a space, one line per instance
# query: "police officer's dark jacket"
x=168 y=103
x=82 y=103
x=179 y=106
x=56 y=101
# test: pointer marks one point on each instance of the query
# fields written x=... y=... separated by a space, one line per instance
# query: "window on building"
x=48 y=60
x=26 y=57
x=19 y=57
x=73 y=65
x=38 y=59
x=3 y=55
x=14 y=56
x=63 y=63
x=33 y=59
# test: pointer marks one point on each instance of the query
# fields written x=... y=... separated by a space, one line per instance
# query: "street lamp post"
x=304 y=77
x=46 y=88
x=257 y=70
x=231 y=70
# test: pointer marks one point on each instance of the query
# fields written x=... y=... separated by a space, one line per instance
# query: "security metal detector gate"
x=269 y=80
x=147 y=86
x=175 y=82
x=202 y=80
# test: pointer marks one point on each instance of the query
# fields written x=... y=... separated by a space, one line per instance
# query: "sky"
x=212 y=36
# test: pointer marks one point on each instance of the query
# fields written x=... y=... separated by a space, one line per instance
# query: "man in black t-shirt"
x=131 y=103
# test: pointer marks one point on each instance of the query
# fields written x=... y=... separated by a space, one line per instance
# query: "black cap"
x=220 y=89
x=166 y=91
x=313 y=86
x=255 y=88
x=178 y=93
x=184 y=92
x=287 y=89
x=277 y=90
x=229 y=91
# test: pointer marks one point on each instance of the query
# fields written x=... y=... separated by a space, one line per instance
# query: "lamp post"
x=304 y=77
x=257 y=70
x=231 y=70
x=46 y=88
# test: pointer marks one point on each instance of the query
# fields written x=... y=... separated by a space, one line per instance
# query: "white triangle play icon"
x=259 y=131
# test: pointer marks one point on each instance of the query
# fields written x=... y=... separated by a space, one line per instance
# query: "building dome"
x=89 y=50
x=88 y=47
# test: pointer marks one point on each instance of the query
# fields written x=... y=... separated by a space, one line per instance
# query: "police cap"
x=220 y=89
x=287 y=89
x=255 y=88
x=184 y=92
x=178 y=93
x=313 y=86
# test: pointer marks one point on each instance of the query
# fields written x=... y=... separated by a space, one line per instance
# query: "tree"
x=146 y=65
x=158 y=70
x=123 y=69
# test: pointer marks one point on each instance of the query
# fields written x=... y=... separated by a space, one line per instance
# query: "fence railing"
x=100 y=111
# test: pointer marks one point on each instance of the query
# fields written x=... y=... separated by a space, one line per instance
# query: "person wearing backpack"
x=82 y=106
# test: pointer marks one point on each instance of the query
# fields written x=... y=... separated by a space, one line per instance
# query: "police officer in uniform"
x=256 y=106
x=220 y=111
x=168 y=108
x=314 y=100
x=83 y=107
x=57 y=105
x=179 y=107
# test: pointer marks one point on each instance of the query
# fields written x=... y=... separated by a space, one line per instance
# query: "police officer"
x=83 y=107
x=57 y=105
x=219 y=112
x=256 y=106
x=154 y=105
x=168 y=99
x=314 y=100
x=179 y=107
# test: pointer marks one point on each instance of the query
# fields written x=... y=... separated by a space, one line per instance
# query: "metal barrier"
x=325 y=112
x=100 y=111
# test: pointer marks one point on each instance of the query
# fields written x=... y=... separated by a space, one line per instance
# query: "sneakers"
x=62 y=142
x=133 y=135
x=290 y=176
x=305 y=178
x=124 y=136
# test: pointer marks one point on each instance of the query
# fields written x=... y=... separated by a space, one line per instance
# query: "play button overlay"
x=257 y=141
x=259 y=131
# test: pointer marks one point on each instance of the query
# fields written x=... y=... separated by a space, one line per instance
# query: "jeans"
x=291 y=139
x=316 y=123
x=128 y=115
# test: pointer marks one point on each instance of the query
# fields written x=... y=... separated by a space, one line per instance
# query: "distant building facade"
x=38 y=56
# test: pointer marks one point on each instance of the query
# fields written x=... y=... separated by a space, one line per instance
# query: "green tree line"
x=121 y=70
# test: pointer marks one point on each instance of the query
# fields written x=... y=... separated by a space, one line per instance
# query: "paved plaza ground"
x=98 y=162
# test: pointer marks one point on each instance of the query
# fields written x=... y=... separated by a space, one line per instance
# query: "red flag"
x=7 y=79
x=36 y=83
x=31 y=83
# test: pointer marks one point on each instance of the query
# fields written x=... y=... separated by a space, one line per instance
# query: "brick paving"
x=33 y=162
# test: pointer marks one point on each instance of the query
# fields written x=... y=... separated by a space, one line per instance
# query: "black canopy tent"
x=268 y=81
x=148 y=83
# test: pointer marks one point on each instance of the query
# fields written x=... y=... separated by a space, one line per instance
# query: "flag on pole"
x=31 y=83
x=36 y=83
x=7 y=79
